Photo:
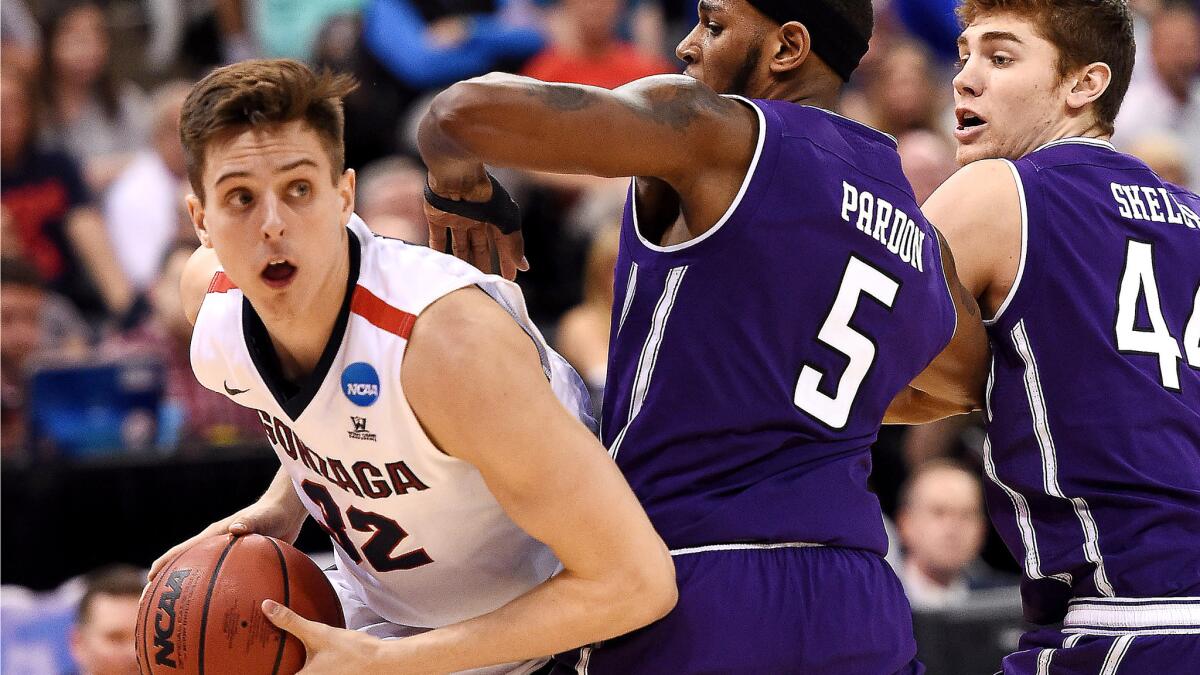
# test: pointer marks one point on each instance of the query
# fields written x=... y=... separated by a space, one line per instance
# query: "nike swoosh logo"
x=233 y=392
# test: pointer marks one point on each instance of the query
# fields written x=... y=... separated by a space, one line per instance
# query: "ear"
x=196 y=213
x=345 y=187
x=1090 y=84
x=795 y=43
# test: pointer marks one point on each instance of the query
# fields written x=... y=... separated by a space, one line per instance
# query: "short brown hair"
x=1084 y=31
x=263 y=92
x=122 y=581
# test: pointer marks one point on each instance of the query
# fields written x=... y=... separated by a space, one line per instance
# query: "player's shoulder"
x=981 y=199
x=408 y=276
x=981 y=185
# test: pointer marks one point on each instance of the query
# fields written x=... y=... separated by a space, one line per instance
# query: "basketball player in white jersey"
x=418 y=414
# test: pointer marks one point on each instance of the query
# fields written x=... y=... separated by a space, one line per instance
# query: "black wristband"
x=500 y=210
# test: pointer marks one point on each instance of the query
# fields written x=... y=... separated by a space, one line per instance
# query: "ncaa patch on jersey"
x=360 y=383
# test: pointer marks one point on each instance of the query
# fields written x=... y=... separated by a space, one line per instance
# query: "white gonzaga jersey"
x=416 y=532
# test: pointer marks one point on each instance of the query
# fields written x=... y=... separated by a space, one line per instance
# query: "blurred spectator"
x=902 y=92
x=193 y=414
x=433 y=43
x=933 y=22
x=280 y=28
x=927 y=159
x=587 y=50
x=1164 y=153
x=88 y=113
x=144 y=209
x=33 y=322
x=390 y=199
x=1167 y=95
x=102 y=642
x=942 y=526
x=51 y=222
x=583 y=332
x=20 y=39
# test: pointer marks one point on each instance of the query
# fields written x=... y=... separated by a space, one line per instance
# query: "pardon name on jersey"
x=1154 y=204
x=363 y=478
x=879 y=219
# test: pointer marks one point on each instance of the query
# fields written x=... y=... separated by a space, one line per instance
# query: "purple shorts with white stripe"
x=1105 y=636
x=770 y=610
x=1053 y=652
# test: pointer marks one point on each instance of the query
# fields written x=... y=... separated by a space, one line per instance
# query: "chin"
x=965 y=154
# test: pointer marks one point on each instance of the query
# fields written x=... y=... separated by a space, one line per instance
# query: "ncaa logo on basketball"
x=360 y=383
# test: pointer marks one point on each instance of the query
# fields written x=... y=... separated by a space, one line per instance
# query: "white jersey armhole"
x=1012 y=292
x=760 y=142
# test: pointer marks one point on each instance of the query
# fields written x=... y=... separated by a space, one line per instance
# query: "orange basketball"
x=203 y=612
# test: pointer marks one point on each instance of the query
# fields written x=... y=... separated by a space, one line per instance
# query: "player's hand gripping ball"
x=202 y=613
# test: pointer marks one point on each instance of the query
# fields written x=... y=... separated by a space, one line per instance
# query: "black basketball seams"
x=283 y=634
x=212 y=585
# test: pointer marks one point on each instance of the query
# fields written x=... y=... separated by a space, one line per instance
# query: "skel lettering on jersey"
x=362 y=478
x=877 y=218
x=1154 y=204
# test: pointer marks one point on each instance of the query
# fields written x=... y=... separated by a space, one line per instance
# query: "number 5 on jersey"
x=836 y=332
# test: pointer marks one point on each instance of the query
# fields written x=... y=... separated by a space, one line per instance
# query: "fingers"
x=308 y=632
x=511 y=249
x=460 y=243
x=481 y=248
x=437 y=237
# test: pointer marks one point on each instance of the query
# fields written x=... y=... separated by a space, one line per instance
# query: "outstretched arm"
x=548 y=473
x=670 y=127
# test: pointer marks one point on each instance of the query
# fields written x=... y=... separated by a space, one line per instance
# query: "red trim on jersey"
x=220 y=283
x=385 y=317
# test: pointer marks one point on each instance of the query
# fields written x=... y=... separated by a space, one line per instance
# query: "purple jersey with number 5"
x=1094 y=397
x=750 y=367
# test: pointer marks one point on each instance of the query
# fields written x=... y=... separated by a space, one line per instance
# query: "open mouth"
x=278 y=272
x=969 y=120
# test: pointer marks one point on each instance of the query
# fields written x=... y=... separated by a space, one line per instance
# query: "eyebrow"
x=708 y=6
x=992 y=36
x=283 y=169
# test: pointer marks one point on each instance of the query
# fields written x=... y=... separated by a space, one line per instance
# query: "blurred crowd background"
x=104 y=427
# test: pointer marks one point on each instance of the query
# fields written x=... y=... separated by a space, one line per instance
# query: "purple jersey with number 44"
x=750 y=367
x=1094 y=397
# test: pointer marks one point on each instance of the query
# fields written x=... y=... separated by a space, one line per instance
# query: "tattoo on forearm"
x=679 y=107
x=676 y=107
x=562 y=97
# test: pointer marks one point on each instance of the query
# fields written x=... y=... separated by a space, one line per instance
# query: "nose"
x=688 y=49
x=273 y=225
x=968 y=81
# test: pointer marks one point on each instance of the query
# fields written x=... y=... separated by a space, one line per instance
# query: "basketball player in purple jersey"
x=777 y=288
x=1087 y=268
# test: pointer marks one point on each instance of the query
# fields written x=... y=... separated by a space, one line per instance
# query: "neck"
x=816 y=89
x=1070 y=128
x=300 y=335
